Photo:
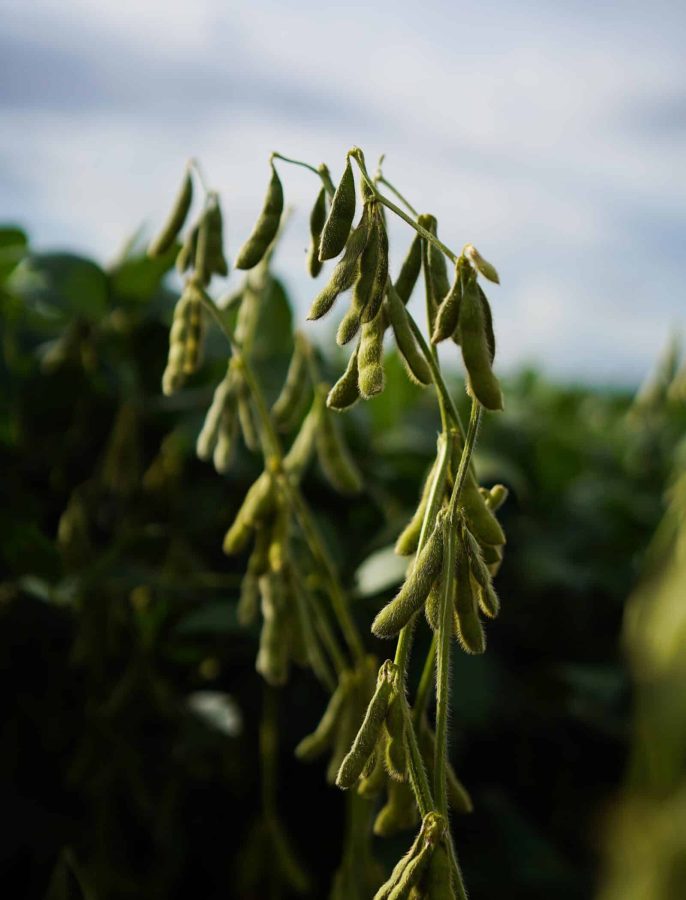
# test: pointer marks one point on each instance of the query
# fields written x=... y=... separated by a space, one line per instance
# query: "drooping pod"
x=487 y=598
x=370 y=358
x=346 y=392
x=480 y=264
x=258 y=503
x=362 y=289
x=379 y=277
x=185 y=340
x=317 y=743
x=483 y=384
x=470 y=631
x=407 y=876
x=289 y=401
x=409 y=271
x=171 y=228
x=417 y=367
x=223 y=401
x=226 y=438
x=435 y=266
x=343 y=275
x=266 y=226
x=408 y=540
x=258 y=563
x=449 y=311
x=366 y=739
x=216 y=261
x=482 y=523
x=340 y=218
x=439 y=876
x=399 y=812
x=333 y=455
x=298 y=457
x=186 y=255
x=272 y=656
x=317 y=220
x=411 y=596
x=395 y=757
x=246 y=417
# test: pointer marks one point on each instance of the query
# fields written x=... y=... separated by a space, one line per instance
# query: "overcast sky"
x=551 y=135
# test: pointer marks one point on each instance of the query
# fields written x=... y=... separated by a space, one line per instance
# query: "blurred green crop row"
x=128 y=764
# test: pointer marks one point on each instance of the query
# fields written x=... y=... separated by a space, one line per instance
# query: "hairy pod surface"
x=417 y=367
x=399 y=813
x=449 y=311
x=175 y=221
x=368 y=735
x=379 y=277
x=396 y=749
x=266 y=227
x=470 y=631
x=475 y=349
x=408 y=541
x=345 y=270
x=480 y=264
x=341 y=214
x=185 y=258
x=409 y=271
x=258 y=503
x=317 y=220
x=298 y=457
x=411 y=596
x=346 y=392
x=221 y=400
x=370 y=359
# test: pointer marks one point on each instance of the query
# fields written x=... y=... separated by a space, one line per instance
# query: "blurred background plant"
x=129 y=763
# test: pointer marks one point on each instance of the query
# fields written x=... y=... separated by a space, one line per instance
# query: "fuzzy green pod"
x=366 y=272
x=221 y=401
x=317 y=743
x=334 y=457
x=202 y=256
x=216 y=261
x=258 y=563
x=496 y=497
x=258 y=503
x=288 y=405
x=346 y=392
x=373 y=778
x=399 y=813
x=409 y=271
x=186 y=256
x=480 y=264
x=266 y=226
x=439 y=877
x=185 y=337
x=340 y=219
x=449 y=311
x=411 y=596
x=246 y=417
x=482 y=523
x=488 y=323
x=416 y=365
x=384 y=891
x=432 y=607
x=470 y=631
x=395 y=756
x=317 y=220
x=272 y=655
x=475 y=350
x=379 y=278
x=175 y=220
x=412 y=873
x=370 y=358
x=298 y=457
x=345 y=270
x=408 y=541
x=436 y=268
x=487 y=597
x=368 y=735
x=226 y=439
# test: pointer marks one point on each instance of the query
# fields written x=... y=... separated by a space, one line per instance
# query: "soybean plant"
x=376 y=730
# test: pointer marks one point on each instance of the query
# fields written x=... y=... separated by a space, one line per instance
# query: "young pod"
x=209 y=432
x=344 y=271
x=340 y=219
x=373 y=778
x=370 y=358
x=488 y=323
x=480 y=264
x=475 y=350
x=179 y=334
x=246 y=417
x=417 y=367
x=258 y=563
x=439 y=877
x=216 y=260
x=432 y=607
x=408 y=541
x=449 y=311
x=470 y=631
x=368 y=735
x=399 y=812
x=226 y=439
x=366 y=270
x=266 y=226
x=175 y=220
x=487 y=597
x=496 y=497
x=185 y=258
x=409 y=271
x=298 y=457
x=396 y=748
x=411 y=596
x=334 y=457
x=379 y=278
x=317 y=743
x=258 y=503
x=317 y=220
x=289 y=401
x=435 y=267
x=272 y=656
x=346 y=392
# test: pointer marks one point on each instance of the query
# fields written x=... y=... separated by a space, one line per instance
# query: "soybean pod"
x=266 y=227
x=483 y=384
x=341 y=214
x=165 y=239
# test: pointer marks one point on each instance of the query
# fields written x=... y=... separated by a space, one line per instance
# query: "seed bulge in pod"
x=266 y=227
x=341 y=214
x=177 y=217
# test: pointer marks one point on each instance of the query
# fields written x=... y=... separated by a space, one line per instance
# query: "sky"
x=551 y=135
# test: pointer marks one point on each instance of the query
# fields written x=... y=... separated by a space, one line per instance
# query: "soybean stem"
x=426 y=681
x=322 y=171
x=445 y=627
x=420 y=782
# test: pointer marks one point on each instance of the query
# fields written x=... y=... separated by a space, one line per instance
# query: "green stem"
x=426 y=681
x=445 y=628
x=418 y=777
x=322 y=171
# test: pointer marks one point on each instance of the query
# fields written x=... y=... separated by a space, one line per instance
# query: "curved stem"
x=322 y=171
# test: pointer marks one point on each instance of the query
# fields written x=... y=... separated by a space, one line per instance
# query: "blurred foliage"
x=129 y=763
